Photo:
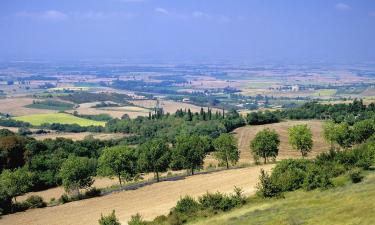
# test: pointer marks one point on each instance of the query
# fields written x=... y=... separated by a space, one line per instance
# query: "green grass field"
x=51 y=105
x=348 y=204
x=325 y=92
x=63 y=118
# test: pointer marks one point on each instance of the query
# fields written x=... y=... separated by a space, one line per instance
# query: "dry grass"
x=15 y=107
x=78 y=136
x=116 y=112
x=56 y=192
x=150 y=201
x=168 y=106
x=246 y=134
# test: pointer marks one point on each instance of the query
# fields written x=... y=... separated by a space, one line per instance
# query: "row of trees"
x=157 y=156
x=266 y=142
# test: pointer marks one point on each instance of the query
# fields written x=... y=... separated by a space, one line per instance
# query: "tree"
x=226 y=149
x=12 y=150
x=265 y=144
x=119 y=161
x=154 y=156
x=300 y=137
x=329 y=130
x=15 y=183
x=190 y=151
x=111 y=219
x=362 y=130
x=77 y=173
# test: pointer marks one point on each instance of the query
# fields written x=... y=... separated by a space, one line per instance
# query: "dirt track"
x=150 y=201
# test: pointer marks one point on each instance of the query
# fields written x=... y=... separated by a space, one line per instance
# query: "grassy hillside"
x=63 y=118
x=349 y=204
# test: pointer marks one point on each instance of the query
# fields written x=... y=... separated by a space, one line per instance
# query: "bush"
x=266 y=187
x=316 y=178
x=64 y=199
x=19 y=207
x=356 y=176
x=187 y=205
x=92 y=192
x=35 y=201
x=111 y=219
x=136 y=220
x=238 y=197
x=289 y=174
x=216 y=201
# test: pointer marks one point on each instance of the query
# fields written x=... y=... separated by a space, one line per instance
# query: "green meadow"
x=347 y=204
x=62 y=118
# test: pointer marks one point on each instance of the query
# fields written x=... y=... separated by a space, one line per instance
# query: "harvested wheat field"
x=15 y=107
x=150 y=201
x=116 y=112
x=78 y=136
x=246 y=134
x=169 y=106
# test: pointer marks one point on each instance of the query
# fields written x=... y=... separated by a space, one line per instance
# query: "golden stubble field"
x=150 y=201
x=170 y=106
x=156 y=199
x=247 y=133
x=15 y=107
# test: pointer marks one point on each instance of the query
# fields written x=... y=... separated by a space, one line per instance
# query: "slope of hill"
x=350 y=204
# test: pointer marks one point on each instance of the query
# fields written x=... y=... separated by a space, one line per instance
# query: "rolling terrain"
x=150 y=201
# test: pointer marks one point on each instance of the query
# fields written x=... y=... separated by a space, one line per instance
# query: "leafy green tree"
x=343 y=135
x=226 y=149
x=154 y=156
x=119 y=161
x=190 y=151
x=300 y=137
x=77 y=173
x=362 y=130
x=265 y=144
x=15 y=183
x=111 y=219
x=329 y=130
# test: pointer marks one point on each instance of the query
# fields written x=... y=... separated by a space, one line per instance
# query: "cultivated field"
x=116 y=112
x=77 y=136
x=150 y=201
x=15 y=107
x=168 y=106
x=63 y=118
x=246 y=134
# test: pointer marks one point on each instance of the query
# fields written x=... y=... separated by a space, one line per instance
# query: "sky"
x=192 y=30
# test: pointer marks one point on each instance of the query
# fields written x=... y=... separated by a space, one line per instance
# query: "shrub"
x=19 y=206
x=289 y=174
x=216 y=201
x=356 y=176
x=64 y=199
x=187 y=205
x=92 y=192
x=35 y=201
x=111 y=219
x=316 y=178
x=238 y=197
x=266 y=187
x=136 y=220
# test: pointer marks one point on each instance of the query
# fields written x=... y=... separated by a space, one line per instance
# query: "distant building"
x=295 y=88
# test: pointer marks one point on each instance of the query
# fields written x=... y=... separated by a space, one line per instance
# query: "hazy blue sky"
x=246 y=30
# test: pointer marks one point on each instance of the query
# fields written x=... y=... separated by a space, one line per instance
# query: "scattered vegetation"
x=51 y=105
